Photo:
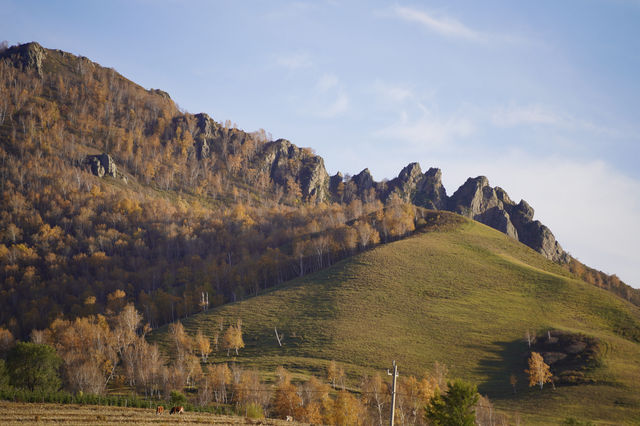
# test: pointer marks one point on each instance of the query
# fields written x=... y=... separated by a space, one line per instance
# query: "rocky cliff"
x=286 y=164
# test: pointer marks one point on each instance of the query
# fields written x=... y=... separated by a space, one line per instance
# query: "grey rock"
x=27 y=56
x=406 y=184
x=283 y=160
x=102 y=165
x=334 y=183
x=363 y=181
x=430 y=192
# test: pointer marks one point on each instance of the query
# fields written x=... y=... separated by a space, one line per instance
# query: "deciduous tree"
x=538 y=371
x=232 y=338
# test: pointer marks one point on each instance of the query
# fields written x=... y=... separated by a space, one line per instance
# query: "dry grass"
x=18 y=413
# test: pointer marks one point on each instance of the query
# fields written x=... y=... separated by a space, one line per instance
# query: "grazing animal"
x=289 y=418
x=159 y=410
x=177 y=410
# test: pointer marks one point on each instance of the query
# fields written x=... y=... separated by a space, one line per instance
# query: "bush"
x=177 y=398
x=4 y=376
x=253 y=411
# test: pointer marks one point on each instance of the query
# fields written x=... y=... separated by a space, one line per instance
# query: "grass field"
x=16 y=413
x=463 y=297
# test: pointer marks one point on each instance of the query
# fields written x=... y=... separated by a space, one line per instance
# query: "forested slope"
x=191 y=213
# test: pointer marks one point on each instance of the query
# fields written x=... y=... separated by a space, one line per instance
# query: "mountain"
x=459 y=293
x=109 y=193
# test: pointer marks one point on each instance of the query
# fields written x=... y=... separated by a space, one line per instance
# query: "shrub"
x=177 y=398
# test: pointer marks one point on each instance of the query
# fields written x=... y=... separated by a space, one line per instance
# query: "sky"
x=541 y=97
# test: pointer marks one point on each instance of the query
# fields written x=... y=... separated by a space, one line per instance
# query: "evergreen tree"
x=34 y=366
x=456 y=407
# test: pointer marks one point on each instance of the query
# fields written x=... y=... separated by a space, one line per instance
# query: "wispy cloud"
x=429 y=131
x=294 y=61
x=511 y=116
x=339 y=106
x=392 y=93
x=544 y=115
x=442 y=25
x=329 y=98
x=327 y=82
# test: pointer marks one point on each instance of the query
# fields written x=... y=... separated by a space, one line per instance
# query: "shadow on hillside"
x=507 y=359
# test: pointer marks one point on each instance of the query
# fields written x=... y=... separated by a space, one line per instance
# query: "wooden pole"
x=393 y=392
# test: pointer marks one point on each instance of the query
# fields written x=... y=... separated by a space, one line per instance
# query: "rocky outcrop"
x=430 y=192
x=363 y=182
x=27 y=56
x=334 y=183
x=493 y=207
x=406 y=184
x=101 y=165
x=286 y=161
x=479 y=201
x=475 y=199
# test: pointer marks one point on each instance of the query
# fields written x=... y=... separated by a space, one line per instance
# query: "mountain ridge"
x=185 y=204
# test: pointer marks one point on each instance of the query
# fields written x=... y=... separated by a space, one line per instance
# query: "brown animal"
x=159 y=410
x=177 y=410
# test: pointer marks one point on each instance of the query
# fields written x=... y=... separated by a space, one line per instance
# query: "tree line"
x=92 y=355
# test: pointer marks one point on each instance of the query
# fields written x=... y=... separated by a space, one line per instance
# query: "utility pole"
x=393 y=391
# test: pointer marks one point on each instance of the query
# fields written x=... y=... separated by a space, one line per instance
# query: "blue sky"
x=541 y=97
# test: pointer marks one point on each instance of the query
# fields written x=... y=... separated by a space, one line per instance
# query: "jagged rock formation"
x=101 y=164
x=282 y=160
x=493 y=207
x=479 y=201
x=27 y=56
x=475 y=199
x=286 y=161
x=424 y=190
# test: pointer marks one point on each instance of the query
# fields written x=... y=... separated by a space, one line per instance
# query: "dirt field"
x=17 y=413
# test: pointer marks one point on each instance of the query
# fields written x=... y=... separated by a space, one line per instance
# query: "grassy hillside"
x=463 y=297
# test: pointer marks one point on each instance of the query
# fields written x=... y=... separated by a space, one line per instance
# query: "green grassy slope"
x=463 y=297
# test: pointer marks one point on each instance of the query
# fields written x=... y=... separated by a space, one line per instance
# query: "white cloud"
x=327 y=99
x=512 y=116
x=339 y=106
x=442 y=25
x=537 y=114
x=294 y=61
x=327 y=82
x=392 y=93
x=430 y=131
